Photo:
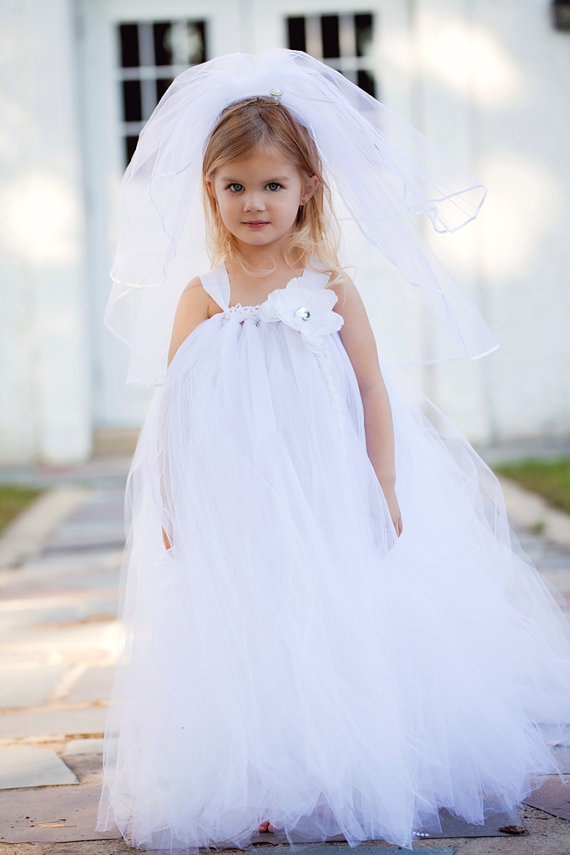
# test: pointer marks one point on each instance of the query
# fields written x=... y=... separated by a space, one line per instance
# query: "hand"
x=394 y=509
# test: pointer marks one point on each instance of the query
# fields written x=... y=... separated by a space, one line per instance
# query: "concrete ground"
x=59 y=639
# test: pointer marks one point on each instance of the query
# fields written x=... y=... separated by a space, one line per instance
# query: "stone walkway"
x=59 y=639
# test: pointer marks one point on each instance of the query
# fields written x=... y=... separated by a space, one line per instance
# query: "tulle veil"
x=383 y=174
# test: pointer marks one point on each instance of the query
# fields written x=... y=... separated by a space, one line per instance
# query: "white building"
x=487 y=79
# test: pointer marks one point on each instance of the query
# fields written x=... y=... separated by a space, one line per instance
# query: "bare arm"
x=359 y=343
x=193 y=308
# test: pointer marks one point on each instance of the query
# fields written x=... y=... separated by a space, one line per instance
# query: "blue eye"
x=273 y=186
x=235 y=187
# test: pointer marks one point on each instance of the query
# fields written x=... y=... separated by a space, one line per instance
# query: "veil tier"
x=381 y=172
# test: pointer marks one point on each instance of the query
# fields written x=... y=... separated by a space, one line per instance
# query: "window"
x=150 y=55
x=342 y=41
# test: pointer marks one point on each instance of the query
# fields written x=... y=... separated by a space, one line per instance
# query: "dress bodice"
x=305 y=305
x=216 y=283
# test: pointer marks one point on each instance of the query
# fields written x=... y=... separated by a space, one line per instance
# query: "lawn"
x=550 y=478
x=13 y=500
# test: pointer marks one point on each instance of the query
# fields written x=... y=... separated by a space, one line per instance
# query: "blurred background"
x=489 y=80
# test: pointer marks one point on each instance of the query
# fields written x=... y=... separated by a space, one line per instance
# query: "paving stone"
x=64 y=609
x=450 y=827
x=77 y=641
x=562 y=757
x=93 y=542
x=91 y=520
x=23 y=615
x=454 y=826
x=363 y=849
x=83 y=746
x=560 y=579
x=553 y=797
x=28 y=687
x=65 y=576
x=72 y=816
x=79 y=577
x=26 y=766
x=95 y=684
x=51 y=815
x=25 y=535
x=46 y=566
x=104 y=607
x=87 y=768
x=53 y=723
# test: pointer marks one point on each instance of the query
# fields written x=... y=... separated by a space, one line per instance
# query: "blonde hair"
x=264 y=124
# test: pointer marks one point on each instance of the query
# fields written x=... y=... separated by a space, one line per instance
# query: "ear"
x=310 y=185
x=209 y=182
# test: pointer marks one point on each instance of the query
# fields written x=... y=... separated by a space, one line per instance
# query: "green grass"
x=550 y=478
x=13 y=500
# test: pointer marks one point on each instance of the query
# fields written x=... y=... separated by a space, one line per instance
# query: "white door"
x=129 y=52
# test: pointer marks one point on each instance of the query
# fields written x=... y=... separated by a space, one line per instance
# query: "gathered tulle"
x=288 y=659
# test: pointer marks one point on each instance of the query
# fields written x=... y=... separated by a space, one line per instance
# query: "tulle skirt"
x=288 y=659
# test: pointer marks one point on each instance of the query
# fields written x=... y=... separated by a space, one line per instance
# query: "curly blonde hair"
x=263 y=124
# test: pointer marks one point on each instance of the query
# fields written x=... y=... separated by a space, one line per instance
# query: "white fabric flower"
x=307 y=310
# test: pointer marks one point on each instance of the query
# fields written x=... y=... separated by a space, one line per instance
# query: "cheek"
x=225 y=206
x=230 y=212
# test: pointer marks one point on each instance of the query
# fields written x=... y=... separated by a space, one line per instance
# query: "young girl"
x=302 y=656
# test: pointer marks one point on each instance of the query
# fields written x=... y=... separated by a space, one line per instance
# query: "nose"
x=253 y=202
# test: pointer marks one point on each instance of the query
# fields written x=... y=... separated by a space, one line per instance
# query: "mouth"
x=255 y=224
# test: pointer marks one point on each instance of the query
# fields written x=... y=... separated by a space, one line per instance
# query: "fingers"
x=165 y=540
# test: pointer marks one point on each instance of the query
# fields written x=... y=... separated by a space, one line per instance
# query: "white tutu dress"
x=288 y=659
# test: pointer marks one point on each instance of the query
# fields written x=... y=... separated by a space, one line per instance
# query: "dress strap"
x=215 y=283
x=314 y=278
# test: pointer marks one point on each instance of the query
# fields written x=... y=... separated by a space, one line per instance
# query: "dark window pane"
x=189 y=42
x=130 y=145
x=161 y=86
x=363 y=29
x=329 y=35
x=179 y=43
x=296 y=33
x=132 y=105
x=200 y=52
x=162 y=34
x=129 y=45
x=366 y=82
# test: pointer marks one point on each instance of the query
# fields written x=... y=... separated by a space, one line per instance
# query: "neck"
x=258 y=259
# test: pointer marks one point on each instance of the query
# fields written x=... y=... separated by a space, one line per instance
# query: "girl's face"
x=258 y=198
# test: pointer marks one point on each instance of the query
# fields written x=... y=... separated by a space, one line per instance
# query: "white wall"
x=523 y=140
x=45 y=378
x=495 y=89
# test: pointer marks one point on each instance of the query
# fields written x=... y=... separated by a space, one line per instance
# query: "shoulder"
x=345 y=289
x=194 y=294
x=196 y=298
x=193 y=308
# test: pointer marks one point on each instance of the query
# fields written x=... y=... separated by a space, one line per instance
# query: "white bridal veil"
x=381 y=172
